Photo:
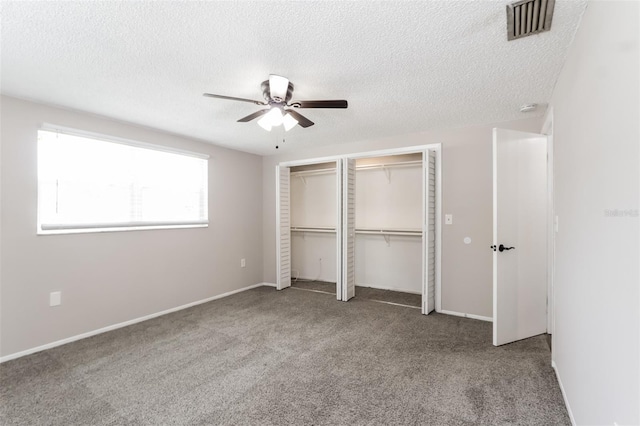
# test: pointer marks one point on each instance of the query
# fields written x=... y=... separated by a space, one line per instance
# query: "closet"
x=395 y=224
x=362 y=221
x=389 y=223
x=314 y=217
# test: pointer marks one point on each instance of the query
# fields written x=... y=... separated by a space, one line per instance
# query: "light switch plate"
x=448 y=219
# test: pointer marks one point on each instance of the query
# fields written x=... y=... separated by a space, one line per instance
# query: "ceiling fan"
x=277 y=92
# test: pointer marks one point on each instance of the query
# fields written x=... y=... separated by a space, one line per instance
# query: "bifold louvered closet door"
x=348 y=229
x=283 y=237
x=429 y=233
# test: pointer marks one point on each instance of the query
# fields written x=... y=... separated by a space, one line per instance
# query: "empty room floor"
x=287 y=357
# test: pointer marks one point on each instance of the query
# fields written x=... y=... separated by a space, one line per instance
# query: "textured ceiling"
x=404 y=67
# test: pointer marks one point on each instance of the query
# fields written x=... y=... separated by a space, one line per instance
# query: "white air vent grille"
x=528 y=17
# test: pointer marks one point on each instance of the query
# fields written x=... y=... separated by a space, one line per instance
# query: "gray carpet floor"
x=368 y=293
x=264 y=357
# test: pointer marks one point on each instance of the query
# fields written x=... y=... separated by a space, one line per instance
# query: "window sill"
x=93 y=230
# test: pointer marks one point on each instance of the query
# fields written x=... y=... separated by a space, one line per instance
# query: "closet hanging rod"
x=313 y=172
x=382 y=166
x=407 y=232
x=320 y=229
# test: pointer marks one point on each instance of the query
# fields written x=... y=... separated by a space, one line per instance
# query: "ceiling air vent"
x=528 y=17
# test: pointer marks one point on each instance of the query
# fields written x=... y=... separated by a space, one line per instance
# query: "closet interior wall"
x=313 y=222
x=389 y=208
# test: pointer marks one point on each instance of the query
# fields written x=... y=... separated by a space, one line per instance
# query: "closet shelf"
x=390 y=165
x=332 y=170
x=319 y=229
x=373 y=231
x=314 y=172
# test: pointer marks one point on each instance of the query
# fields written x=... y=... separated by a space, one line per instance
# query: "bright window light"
x=87 y=183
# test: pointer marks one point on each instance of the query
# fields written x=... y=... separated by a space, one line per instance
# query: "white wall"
x=313 y=204
x=313 y=256
x=313 y=200
x=596 y=110
x=395 y=203
x=108 y=278
x=394 y=266
x=467 y=194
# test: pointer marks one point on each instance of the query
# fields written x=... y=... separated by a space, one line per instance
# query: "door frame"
x=547 y=129
x=551 y=225
x=437 y=147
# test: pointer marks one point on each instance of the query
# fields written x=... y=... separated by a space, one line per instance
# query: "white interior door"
x=283 y=228
x=348 y=228
x=519 y=235
x=428 y=232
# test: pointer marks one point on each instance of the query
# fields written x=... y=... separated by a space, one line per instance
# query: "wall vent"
x=527 y=17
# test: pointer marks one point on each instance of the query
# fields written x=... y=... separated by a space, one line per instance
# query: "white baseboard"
x=125 y=323
x=564 y=395
x=472 y=316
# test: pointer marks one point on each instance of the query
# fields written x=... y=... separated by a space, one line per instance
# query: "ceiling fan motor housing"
x=266 y=93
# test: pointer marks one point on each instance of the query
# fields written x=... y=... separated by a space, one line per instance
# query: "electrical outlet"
x=55 y=298
x=243 y=263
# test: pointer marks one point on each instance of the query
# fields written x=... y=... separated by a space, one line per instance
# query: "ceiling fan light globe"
x=275 y=116
x=265 y=123
x=288 y=122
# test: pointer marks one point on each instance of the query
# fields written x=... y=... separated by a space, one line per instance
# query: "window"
x=89 y=183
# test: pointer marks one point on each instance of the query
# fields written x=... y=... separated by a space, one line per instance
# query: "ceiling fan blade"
x=320 y=104
x=278 y=87
x=254 y=115
x=302 y=120
x=231 y=98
